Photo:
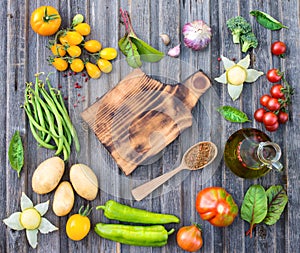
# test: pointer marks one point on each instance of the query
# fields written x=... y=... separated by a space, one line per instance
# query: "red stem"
x=127 y=22
x=249 y=232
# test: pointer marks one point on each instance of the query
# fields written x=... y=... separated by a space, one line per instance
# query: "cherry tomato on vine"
x=77 y=65
x=189 y=238
x=92 y=70
x=259 y=114
x=74 y=38
x=83 y=28
x=264 y=99
x=92 y=46
x=45 y=20
x=108 y=53
x=78 y=225
x=278 y=48
x=74 y=51
x=273 y=104
x=58 y=50
x=104 y=65
x=276 y=92
x=283 y=117
x=270 y=119
x=272 y=128
x=60 y=64
x=63 y=39
x=274 y=75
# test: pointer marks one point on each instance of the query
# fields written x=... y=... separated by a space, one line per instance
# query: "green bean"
x=61 y=107
x=51 y=122
x=40 y=113
x=57 y=117
x=33 y=121
x=39 y=140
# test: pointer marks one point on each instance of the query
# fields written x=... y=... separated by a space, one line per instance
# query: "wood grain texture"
x=141 y=116
x=24 y=53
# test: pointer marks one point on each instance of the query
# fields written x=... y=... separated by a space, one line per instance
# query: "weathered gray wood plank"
x=25 y=54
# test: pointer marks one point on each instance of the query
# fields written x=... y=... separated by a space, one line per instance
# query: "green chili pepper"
x=267 y=21
x=116 y=211
x=152 y=236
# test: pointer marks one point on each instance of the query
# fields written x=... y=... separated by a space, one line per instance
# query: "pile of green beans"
x=49 y=120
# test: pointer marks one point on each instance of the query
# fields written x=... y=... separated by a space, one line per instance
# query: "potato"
x=63 y=199
x=47 y=175
x=84 y=181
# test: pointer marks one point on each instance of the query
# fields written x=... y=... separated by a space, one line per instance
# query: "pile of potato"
x=48 y=175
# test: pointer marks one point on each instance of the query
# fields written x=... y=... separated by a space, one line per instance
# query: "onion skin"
x=197 y=35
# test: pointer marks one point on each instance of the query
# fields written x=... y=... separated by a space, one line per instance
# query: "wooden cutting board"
x=140 y=116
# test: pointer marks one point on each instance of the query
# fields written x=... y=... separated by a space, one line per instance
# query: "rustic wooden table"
x=24 y=53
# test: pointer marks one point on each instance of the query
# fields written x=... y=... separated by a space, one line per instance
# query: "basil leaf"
x=277 y=200
x=255 y=206
x=16 y=153
x=267 y=21
x=148 y=53
x=232 y=114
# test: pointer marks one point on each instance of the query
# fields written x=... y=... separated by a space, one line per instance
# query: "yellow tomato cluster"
x=69 y=45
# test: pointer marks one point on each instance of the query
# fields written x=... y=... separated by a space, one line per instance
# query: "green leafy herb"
x=134 y=48
x=232 y=114
x=255 y=206
x=267 y=21
x=16 y=153
x=277 y=200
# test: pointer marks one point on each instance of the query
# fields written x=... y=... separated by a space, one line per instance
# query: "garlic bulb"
x=175 y=51
x=165 y=38
x=196 y=34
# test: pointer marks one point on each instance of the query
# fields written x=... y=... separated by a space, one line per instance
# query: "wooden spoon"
x=192 y=160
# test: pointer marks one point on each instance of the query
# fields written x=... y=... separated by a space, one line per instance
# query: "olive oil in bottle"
x=250 y=153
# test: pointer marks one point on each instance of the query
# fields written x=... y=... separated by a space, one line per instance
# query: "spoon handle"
x=144 y=190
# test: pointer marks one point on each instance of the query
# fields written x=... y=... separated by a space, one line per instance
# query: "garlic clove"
x=175 y=51
x=165 y=38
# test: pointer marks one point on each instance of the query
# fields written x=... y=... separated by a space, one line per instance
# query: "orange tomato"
x=104 y=65
x=60 y=64
x=45 y=20
x=58 y=50
x=92 y=70
x=92 y=46
x=77 y=65
x=74 y=51
x=83 y=28
x=74 y=38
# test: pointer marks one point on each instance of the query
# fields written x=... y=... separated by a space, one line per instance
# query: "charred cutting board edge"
x=140 y=116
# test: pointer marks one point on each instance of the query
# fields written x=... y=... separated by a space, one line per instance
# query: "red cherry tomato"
x=264 y=99
x=272 y=128
x=273 y=104
x=259 y=114
x=278 y=48
x=283 y=117
x=276 y=92
x=274 y=75
x=270 y=118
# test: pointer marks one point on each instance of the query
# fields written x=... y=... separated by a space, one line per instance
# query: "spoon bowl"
x=193 y=159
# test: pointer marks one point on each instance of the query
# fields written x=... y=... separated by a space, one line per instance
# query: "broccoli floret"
x=238 y=26
x=248 y=40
